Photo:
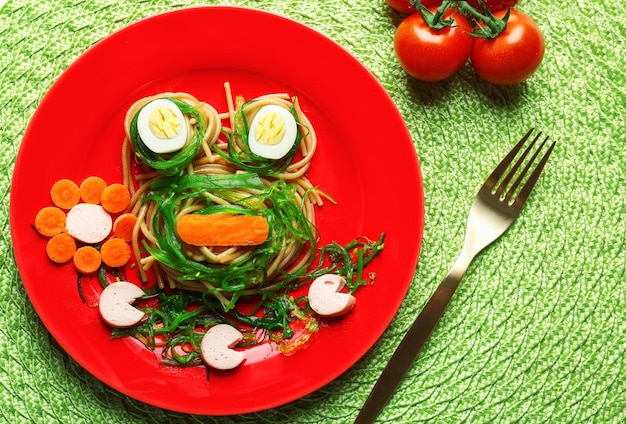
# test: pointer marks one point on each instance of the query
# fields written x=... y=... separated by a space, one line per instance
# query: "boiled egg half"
x=273 y=132
x=162 y=126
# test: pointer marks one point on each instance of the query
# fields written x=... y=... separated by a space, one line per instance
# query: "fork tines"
x=502 y=181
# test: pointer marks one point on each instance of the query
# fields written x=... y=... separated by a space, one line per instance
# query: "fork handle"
x=430 y=315
x=412 y=343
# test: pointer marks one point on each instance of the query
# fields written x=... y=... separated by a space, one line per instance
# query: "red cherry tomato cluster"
x=504 y=45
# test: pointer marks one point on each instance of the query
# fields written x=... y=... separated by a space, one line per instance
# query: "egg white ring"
x=279 y=150
x=157 y=144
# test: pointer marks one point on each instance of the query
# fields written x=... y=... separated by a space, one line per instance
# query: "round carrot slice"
x=115 y=252
x=65 y=194
x=87 y=259
x=115 y=198
x=61 y=248
x=50 y=221
x=91 y=189
x=123 y=226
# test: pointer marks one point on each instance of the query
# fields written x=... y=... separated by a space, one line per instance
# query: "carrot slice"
x=91 y=189
x=115 y=252
x=65 y=193
x=124 y=225
x=222 y=230
x=50 y=221
x=115 y=198
x=87 y=259
x=61 y=248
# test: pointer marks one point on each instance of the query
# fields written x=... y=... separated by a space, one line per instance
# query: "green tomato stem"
x=434 y=20
x=492 y=27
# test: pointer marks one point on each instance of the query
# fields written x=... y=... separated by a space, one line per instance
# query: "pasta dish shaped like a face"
x=227 y=216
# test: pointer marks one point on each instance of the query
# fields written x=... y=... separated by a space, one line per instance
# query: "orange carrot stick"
x=87 y=259
x=115 y=198
x=50 y=221
x=61 y=248
x=91 y=189
x=222 y=230
x=65 y=193
x=123 y=226
x=115 y=252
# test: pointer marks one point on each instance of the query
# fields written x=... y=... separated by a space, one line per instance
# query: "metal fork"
x=497 y=204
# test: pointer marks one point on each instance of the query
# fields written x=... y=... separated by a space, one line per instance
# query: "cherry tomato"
x=432 y=55
x=494 y=5
x=512 y=56
x=404 y=6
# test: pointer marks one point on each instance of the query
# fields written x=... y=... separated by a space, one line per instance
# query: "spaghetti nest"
x=216 y=173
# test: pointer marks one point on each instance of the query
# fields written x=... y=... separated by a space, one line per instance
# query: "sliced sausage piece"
x=116 y=304
x=216 y=347
x=325 y=297
x=88 y=223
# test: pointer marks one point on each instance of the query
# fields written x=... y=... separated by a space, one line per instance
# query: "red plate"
x=365 y=160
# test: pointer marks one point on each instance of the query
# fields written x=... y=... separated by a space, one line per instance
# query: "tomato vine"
x=437 y=38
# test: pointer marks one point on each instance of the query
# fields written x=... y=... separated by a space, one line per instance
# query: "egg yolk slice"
x=271 y=129
x=164 y=123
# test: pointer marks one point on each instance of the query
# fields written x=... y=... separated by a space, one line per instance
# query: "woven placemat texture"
x=536 y=332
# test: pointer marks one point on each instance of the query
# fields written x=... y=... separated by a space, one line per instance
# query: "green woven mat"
x=536 y=332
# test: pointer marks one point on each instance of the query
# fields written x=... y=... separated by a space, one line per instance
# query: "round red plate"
x=365 y=160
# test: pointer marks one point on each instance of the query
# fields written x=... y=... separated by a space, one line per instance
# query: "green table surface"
x=536 y=332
